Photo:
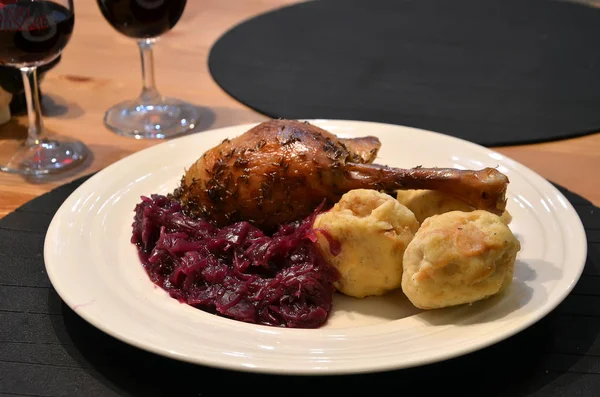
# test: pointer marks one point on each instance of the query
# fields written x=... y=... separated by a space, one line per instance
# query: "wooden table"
x=100 y=67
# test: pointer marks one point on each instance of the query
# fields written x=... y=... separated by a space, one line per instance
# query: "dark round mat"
x=46 y=349
x=495 y=72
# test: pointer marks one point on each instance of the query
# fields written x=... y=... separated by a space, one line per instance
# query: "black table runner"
x=495 y=72
x=46 y=349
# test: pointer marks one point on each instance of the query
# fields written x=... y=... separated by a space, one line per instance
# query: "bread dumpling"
x=459 y=257
x=425 y=203
x=372 y=230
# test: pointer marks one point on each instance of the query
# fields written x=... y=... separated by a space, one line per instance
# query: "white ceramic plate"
x=96 y=271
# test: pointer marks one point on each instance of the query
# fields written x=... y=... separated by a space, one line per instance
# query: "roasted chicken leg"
x=281 y=171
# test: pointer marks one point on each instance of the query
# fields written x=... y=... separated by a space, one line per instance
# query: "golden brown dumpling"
x=458 y=257
x=373 y=230
x=426 y=203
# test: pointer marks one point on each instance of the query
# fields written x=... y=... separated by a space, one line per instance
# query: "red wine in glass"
x=150 y=116
x=141 y=19
x=34 y=33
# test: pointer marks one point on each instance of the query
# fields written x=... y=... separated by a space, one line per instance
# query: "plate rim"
x=515 y=329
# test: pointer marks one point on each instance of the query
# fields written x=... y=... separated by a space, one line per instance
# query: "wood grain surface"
x=100 y=68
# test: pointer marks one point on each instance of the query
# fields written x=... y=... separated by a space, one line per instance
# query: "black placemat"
x=48 y=350
x=495 y=72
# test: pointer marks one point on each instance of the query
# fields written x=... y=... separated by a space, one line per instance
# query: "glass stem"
x=37 y=131
x=149 y=91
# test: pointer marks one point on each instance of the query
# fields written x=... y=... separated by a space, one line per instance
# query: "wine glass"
x=150 y=116
x=33 y=33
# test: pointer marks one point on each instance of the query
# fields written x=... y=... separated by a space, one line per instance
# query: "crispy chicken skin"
x=278 y=171
x=281 y=170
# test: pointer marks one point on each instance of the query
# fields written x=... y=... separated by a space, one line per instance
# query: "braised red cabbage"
x=237 y=271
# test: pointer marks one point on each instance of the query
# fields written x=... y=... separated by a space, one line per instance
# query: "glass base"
x=50 y=156
x=162 y=120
